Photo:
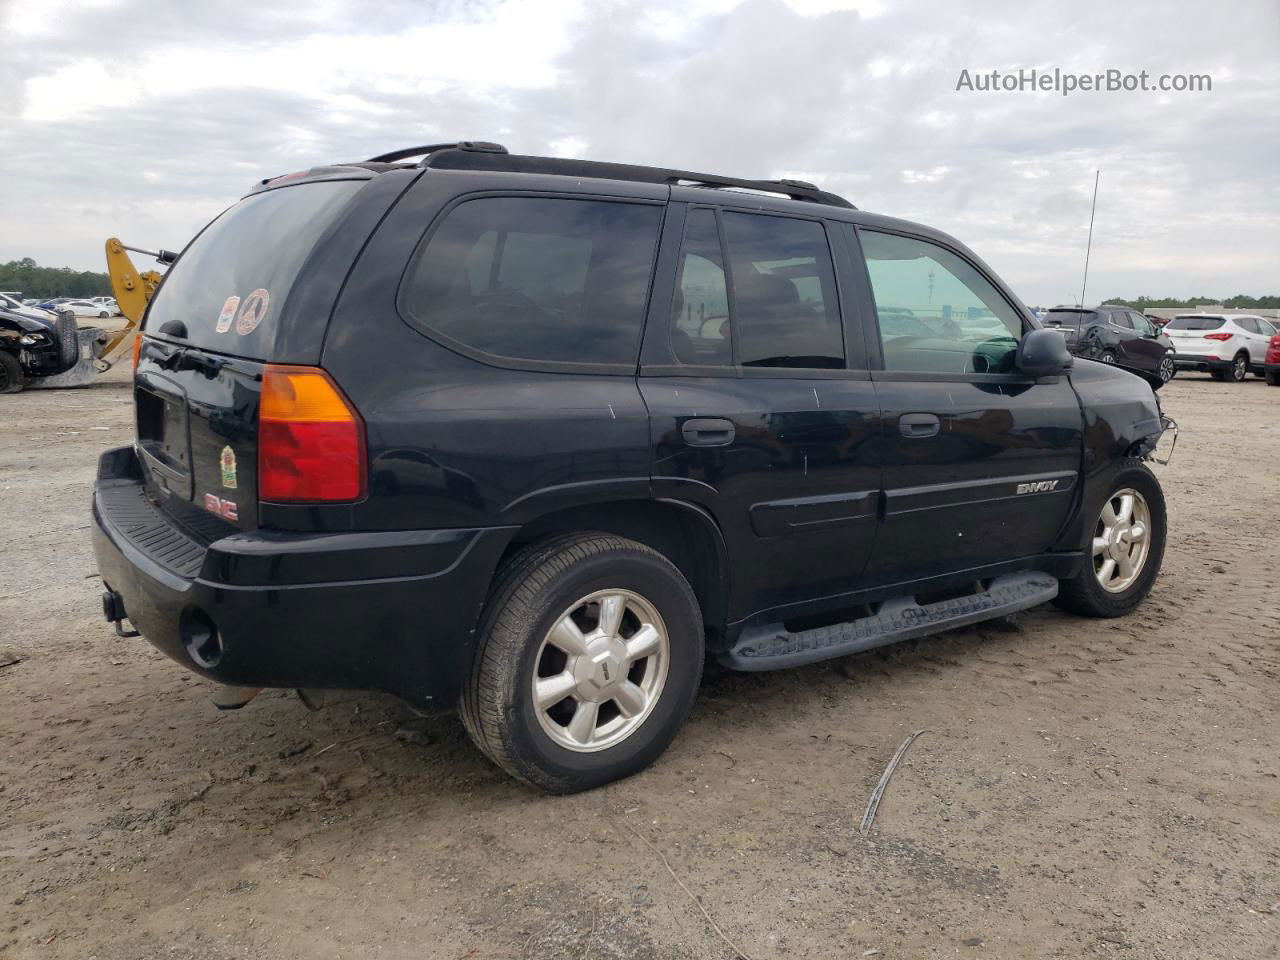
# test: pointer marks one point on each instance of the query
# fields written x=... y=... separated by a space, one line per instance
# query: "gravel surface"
x=1083 y=788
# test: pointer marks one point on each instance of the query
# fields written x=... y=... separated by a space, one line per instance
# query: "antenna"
x=1089 y=246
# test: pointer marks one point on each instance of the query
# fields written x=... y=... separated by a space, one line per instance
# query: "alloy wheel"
x=1166 y=369
x=1239 y=367
x=600 y=670
x=1108 y=357
x=1121 y=540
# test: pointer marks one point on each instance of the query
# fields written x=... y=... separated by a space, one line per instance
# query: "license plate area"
x=164 y=438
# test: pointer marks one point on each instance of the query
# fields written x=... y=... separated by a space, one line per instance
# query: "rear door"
x=1257 y=337
x=255 y=286
x=980 y=462
x=1142 y=347
x=761 y=410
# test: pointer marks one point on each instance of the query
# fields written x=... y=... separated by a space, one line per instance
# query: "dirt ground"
x=1083 y=788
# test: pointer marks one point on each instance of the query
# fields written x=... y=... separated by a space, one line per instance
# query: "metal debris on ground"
x=874 y=803
x=688 y=893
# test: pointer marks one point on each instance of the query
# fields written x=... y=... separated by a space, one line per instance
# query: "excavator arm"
x=133 y=290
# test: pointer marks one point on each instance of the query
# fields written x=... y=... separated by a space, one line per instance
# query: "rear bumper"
x=393 y=611
x=1202 y=362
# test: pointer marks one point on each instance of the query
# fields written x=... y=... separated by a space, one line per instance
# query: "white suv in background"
x=1222 y=345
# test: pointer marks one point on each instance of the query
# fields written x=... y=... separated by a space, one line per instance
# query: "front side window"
x=937 y=313
x=534 y=278
x=1141 y=324
x=784 y=310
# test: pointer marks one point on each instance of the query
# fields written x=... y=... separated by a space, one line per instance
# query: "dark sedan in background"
x=1116 y=335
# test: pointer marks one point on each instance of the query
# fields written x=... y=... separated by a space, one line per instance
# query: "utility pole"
x=1089 y=245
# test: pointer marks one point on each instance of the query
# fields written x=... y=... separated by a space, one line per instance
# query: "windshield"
x=229 y=286
x=1194 y=323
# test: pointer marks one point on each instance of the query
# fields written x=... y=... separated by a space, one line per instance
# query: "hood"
x=24 y=321
x=47 y=317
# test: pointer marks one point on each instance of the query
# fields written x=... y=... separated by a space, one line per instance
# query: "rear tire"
x=538 y=598
x=1085 y=593
x=12 y=379
x=1109 y=356
x=1273 y=377
x=1239 y=367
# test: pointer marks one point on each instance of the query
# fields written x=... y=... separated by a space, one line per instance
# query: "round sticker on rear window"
x=252 y=311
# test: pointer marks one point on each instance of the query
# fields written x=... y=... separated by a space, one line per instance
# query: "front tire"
x=590 y=653
x=1125 y=549
x=12 y=379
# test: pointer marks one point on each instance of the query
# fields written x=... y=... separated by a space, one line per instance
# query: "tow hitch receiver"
x=113 y=610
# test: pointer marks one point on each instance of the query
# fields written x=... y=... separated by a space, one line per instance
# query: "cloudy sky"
x=144 y=119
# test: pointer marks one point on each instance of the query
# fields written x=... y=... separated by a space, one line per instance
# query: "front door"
x=980 y=463
x=759 y=414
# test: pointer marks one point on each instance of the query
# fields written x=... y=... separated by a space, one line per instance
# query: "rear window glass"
x=229 y=286
x=1068 y=318
x=534 y=278
x=1194 y=323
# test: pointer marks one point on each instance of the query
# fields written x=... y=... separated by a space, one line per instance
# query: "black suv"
x=532 y=437
x=1116 y=335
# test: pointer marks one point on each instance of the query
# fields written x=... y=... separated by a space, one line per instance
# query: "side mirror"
x=1043 y=353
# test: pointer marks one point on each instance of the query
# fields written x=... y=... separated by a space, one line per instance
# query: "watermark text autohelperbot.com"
x=1032 y=80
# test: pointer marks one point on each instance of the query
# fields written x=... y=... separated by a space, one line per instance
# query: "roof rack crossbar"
x=469 y=158
x=427 y=150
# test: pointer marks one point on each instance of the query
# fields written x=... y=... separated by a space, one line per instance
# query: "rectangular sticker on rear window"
x=228 y=314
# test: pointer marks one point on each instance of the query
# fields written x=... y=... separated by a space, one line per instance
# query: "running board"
x=771 y=646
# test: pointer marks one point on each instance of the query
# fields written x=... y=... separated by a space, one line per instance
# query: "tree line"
x=34 y=280
x=1239 y=302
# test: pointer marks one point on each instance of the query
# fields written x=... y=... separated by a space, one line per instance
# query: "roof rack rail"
x=492 y=156
x=479 y=146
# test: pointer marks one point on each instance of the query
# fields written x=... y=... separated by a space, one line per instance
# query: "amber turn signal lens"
x=137 y=350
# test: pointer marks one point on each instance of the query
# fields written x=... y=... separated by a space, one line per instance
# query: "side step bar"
x=771 y=646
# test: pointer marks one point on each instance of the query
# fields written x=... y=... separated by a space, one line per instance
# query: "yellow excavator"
x=99 y=349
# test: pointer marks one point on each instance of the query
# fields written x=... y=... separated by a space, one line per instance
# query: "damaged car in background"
x=33 y=350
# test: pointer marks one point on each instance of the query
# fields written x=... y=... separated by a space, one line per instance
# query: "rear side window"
x=784 y=310
x=229 y=286
x=784 y=292
x=533 y=278
x=1194 y=323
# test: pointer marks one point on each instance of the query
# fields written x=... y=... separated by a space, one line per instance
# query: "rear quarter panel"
x=455 y=442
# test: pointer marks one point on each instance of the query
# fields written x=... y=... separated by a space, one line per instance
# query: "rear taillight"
x=1217 y=336
x=137 y=351
x=310 y=439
